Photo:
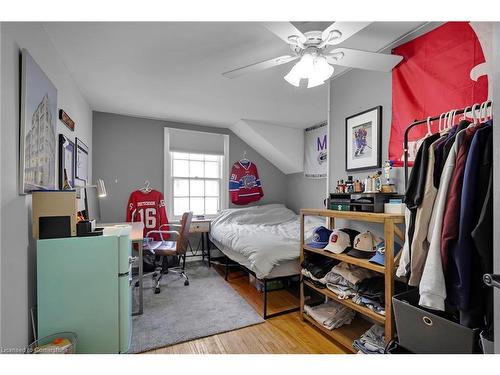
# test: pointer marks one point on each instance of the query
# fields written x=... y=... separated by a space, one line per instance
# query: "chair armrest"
x=162 y=232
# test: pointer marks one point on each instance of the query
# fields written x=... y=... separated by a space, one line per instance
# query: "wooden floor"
x=280 y=335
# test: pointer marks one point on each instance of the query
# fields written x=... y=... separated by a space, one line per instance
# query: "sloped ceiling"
x=172 y=71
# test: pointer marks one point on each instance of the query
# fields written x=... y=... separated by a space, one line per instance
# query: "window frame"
x=189 y=179
x=169 y=178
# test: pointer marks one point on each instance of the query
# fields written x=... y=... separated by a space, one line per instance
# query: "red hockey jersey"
x=148 y=208
x=244 y=184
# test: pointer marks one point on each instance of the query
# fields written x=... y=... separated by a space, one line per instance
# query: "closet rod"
x=420 y=122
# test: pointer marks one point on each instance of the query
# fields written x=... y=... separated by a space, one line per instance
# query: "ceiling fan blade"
x=363 y=60
x=266 y=64
x=284 y=30
x=346 y=29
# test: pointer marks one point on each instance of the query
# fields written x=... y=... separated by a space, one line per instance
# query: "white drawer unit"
x=199 y=226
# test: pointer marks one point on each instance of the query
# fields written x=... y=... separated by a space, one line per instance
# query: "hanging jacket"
x=452 y=211
x=432 y=283
x=419 y=244
x=448 y=144
x=413 y=198
x=462 y=254
x=483 y=240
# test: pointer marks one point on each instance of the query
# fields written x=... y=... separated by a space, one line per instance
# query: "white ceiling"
x=172 y=70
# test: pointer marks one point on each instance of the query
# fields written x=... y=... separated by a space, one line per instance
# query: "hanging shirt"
x=148 y=208
x=244 y=184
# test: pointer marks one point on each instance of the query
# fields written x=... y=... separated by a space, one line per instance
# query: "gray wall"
x=17 y=254
x=128 y=150
x=304 y=192
x=352 y=93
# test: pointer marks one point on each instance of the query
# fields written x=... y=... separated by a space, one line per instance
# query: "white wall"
x=17 y=256
x=282 y=146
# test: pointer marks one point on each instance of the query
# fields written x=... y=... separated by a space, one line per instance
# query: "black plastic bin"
x=422 y=331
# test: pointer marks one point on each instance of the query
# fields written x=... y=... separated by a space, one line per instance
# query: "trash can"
x=59 y=343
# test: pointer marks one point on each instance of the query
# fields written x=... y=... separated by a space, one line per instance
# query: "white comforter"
x=266 y=235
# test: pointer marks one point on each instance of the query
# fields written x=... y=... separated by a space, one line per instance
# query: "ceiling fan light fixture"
x=293 y=77
x=322 y=69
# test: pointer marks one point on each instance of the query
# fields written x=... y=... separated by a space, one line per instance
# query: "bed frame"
x=265 y=315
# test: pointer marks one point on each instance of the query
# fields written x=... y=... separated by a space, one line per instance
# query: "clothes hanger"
x=474 y=117
x=147 y=187
x=482 y=114
x=429 y=131
x=464 y=115
x=453 y=113
x=441 y=116
x=245 y=160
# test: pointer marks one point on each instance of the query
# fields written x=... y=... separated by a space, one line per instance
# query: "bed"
x=265 y=240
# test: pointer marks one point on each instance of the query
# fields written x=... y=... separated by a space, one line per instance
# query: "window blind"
x=191 y=141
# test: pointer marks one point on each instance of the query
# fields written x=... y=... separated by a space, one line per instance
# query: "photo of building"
x=38 y=128
x=39 y=148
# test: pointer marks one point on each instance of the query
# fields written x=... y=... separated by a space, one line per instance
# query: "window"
x=196 y=183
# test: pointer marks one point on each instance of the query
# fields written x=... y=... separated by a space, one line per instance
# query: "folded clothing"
x=330 y=314
x=343 y=278
x=372 y=288
x=318 y=265
x=320 y=283
x=373 y=305
x=352 y=273
x=372 y=341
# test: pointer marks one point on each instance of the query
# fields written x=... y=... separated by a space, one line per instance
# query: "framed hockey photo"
x=363 y=142
x=37 y=130
x=82 y=160
x=66 y=162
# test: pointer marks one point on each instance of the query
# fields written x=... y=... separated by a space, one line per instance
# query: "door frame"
x=496 y=179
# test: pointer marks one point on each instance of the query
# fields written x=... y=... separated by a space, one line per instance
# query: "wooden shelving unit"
x=345 y=335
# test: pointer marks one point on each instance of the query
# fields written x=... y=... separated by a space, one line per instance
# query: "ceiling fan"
x=317 y=52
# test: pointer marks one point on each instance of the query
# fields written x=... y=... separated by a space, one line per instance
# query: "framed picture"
x=363 y=142
x=82 y=160
x=66 y=161
x=66 y=120
x=37 y=130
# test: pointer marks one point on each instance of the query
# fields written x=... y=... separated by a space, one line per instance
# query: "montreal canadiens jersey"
x=148 y=208
x=244 y=184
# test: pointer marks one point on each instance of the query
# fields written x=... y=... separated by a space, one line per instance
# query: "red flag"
x=434 y=77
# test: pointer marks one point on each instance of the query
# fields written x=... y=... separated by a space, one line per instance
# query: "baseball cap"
x=351 y=232
x=320 y=237
x=338 y=242
x=379 y=257
x=364 y=245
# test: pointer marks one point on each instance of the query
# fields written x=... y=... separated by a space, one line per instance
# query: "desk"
x=137 y=237
x=203 y=227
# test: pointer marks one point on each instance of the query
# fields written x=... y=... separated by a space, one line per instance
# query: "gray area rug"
x=207 y=306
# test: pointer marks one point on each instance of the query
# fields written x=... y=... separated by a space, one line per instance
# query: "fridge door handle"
x=492 y=280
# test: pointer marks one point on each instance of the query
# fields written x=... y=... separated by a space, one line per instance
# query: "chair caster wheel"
x=157 y=290
x=186 y=283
